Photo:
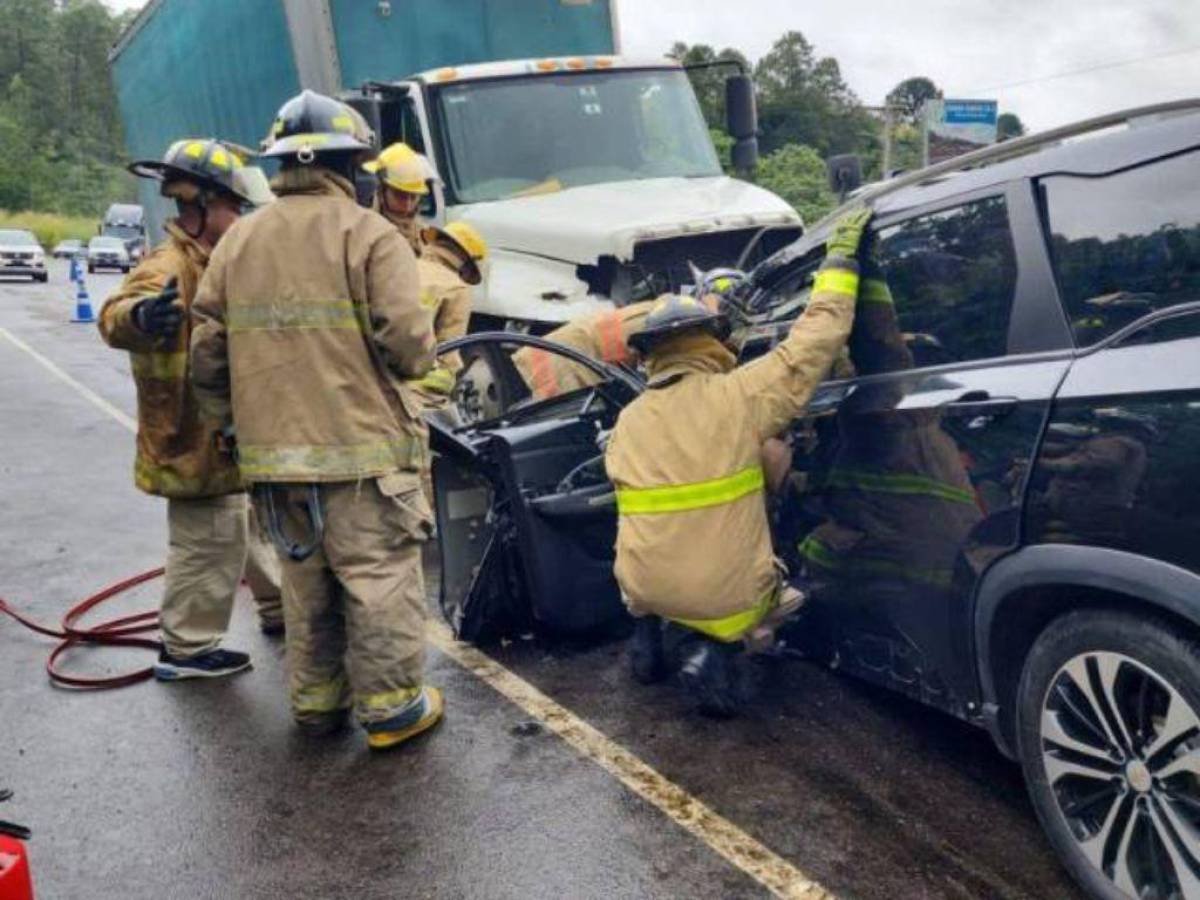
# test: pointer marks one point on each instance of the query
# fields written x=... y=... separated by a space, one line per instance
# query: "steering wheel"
x=588 y=473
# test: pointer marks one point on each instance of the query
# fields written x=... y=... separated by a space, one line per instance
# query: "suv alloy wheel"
x=1109 y=736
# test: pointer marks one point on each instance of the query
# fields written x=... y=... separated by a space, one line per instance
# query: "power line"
x=1086 y=70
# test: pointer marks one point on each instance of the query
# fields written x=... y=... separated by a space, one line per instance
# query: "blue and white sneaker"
x=213 y=664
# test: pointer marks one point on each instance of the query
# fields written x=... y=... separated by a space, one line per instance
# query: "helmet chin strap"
x=201 y=203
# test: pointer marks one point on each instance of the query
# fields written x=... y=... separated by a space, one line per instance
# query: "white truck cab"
x=593 y=179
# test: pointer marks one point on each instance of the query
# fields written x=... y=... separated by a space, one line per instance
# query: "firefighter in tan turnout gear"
x=179 y=452
x=308 y=325
x=685 y=458
x=404 y=177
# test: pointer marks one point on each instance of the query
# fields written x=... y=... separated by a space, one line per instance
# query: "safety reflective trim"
x=613 y=348
x=697 y=495
x=351 y=460
x=430 y=299
x=813 y=550
x=322 y=697
x=330 y=314
x=159 y=366
x=545 y=378
x=874 y=290
x=836 y=281
x=165 y=480
x=439 y=380
x=732 y=628
x=896 y=483
x=388 y=701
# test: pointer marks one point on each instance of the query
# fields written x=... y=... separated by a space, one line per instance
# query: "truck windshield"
x=519 y=136
x=122 y=230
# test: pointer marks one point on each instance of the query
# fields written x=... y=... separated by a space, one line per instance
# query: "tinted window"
x=1126 y=244
x=17 y=238
x=951 y=276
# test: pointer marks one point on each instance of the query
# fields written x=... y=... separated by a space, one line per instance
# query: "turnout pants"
x=355 y=610
x=208 y=542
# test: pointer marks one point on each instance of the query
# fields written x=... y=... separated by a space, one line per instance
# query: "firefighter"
x=179 y=452
x=308 y=322
x=404 y=177
x=685 y=458
x=450 y=265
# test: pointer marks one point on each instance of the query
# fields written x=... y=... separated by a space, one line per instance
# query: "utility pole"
x=888 y=112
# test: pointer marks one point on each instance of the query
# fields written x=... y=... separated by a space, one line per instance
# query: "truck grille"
x=664 y=263
x=16 y=256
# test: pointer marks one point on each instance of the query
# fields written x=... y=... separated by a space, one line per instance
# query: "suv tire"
x=1108 y=729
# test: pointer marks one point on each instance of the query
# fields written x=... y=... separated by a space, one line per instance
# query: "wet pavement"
x=205 y=790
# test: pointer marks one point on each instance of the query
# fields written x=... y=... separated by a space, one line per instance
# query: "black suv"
x=999 y=516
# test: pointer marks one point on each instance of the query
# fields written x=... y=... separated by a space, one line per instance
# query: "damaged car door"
x=526 y=515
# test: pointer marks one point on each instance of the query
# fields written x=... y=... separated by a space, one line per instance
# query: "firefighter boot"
x=708 y=675
x=646 y=657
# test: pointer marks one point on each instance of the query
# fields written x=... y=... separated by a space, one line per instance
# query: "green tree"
x=798 y=175
x=910 y=95
x=1009 y=125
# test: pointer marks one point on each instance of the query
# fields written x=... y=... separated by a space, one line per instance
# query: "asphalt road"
x=205 y=790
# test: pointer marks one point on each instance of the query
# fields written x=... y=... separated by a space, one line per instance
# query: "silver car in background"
x=21 y=254
x=107 y=253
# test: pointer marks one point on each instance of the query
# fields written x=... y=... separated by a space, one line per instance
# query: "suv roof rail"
x=996 y=153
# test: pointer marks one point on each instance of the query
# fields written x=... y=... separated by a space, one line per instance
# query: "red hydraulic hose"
x=120 y=632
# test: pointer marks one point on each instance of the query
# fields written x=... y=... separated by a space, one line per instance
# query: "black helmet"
x=206 y=163
x=673 y=314
x=310 y=124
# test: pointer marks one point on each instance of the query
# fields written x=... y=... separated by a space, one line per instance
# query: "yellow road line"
x=762 y=864
x=724 y=838
x=62 y=376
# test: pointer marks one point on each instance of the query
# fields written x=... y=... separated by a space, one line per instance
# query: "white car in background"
x=107 y=253
x=21 y=254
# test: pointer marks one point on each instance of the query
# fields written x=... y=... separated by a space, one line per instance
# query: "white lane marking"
x=62 y=376
x=724 y=838
x=720 y=835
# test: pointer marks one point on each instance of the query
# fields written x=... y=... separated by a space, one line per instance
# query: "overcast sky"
x=970 y=48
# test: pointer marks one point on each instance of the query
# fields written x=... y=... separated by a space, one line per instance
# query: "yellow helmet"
x=464 y=242
x=400 y=167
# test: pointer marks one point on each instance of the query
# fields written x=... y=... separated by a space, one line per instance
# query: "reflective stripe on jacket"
x=308 y=322
x=603 y=336
x=693 y=541
x=176 y=446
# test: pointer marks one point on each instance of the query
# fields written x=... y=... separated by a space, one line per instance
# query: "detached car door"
x=917 y=462
x=526 y=515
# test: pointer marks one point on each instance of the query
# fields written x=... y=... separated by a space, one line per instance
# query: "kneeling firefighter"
x=685 y=458
x=308 y=322
x=213 y=541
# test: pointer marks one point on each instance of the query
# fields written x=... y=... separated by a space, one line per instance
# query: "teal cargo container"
x=223 y=67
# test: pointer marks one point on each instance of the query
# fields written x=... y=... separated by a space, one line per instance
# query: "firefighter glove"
x=848 y=233
x=160 y=315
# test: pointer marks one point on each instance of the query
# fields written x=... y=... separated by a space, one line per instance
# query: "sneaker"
x=647 y=659
x=213 y=664
x=420 y=715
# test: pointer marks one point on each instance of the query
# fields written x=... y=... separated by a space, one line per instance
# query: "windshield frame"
x=101 y=241
x=437 y=123
x=21 y=232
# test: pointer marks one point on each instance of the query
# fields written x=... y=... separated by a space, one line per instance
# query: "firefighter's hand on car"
x=162 y=314
x=848 y=233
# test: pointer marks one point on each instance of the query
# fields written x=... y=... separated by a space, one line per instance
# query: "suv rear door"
x=915 y=483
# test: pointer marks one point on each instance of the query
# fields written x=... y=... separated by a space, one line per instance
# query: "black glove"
x=160 y=315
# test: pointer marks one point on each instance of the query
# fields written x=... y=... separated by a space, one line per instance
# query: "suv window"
x=1126 y=244
x=952 y=274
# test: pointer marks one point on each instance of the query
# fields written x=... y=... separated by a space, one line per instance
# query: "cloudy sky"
x=1002 y=49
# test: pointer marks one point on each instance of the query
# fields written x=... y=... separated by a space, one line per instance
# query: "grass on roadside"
x=50 y=228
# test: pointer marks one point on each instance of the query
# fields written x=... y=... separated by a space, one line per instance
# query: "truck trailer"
x=592 y=176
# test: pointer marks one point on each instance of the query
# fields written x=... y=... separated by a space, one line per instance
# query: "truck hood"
x=579 y=225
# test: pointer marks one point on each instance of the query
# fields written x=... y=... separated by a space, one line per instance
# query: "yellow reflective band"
x=159 y=366
x=682 y=497
x=875 y=291
x=323 y=697
x=220 y=159
x=332 y=314
x=430 y=299
x=439 y=380
x=330 y=461
x=896 y=483
x=732 y=628
x=342 y=123
x=166 y=481
x=836 y=281
x=813 y=550
x=195 y=150
x=389 y=700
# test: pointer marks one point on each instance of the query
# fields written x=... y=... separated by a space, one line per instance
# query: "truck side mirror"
x=741 y=118
x=845 y=174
